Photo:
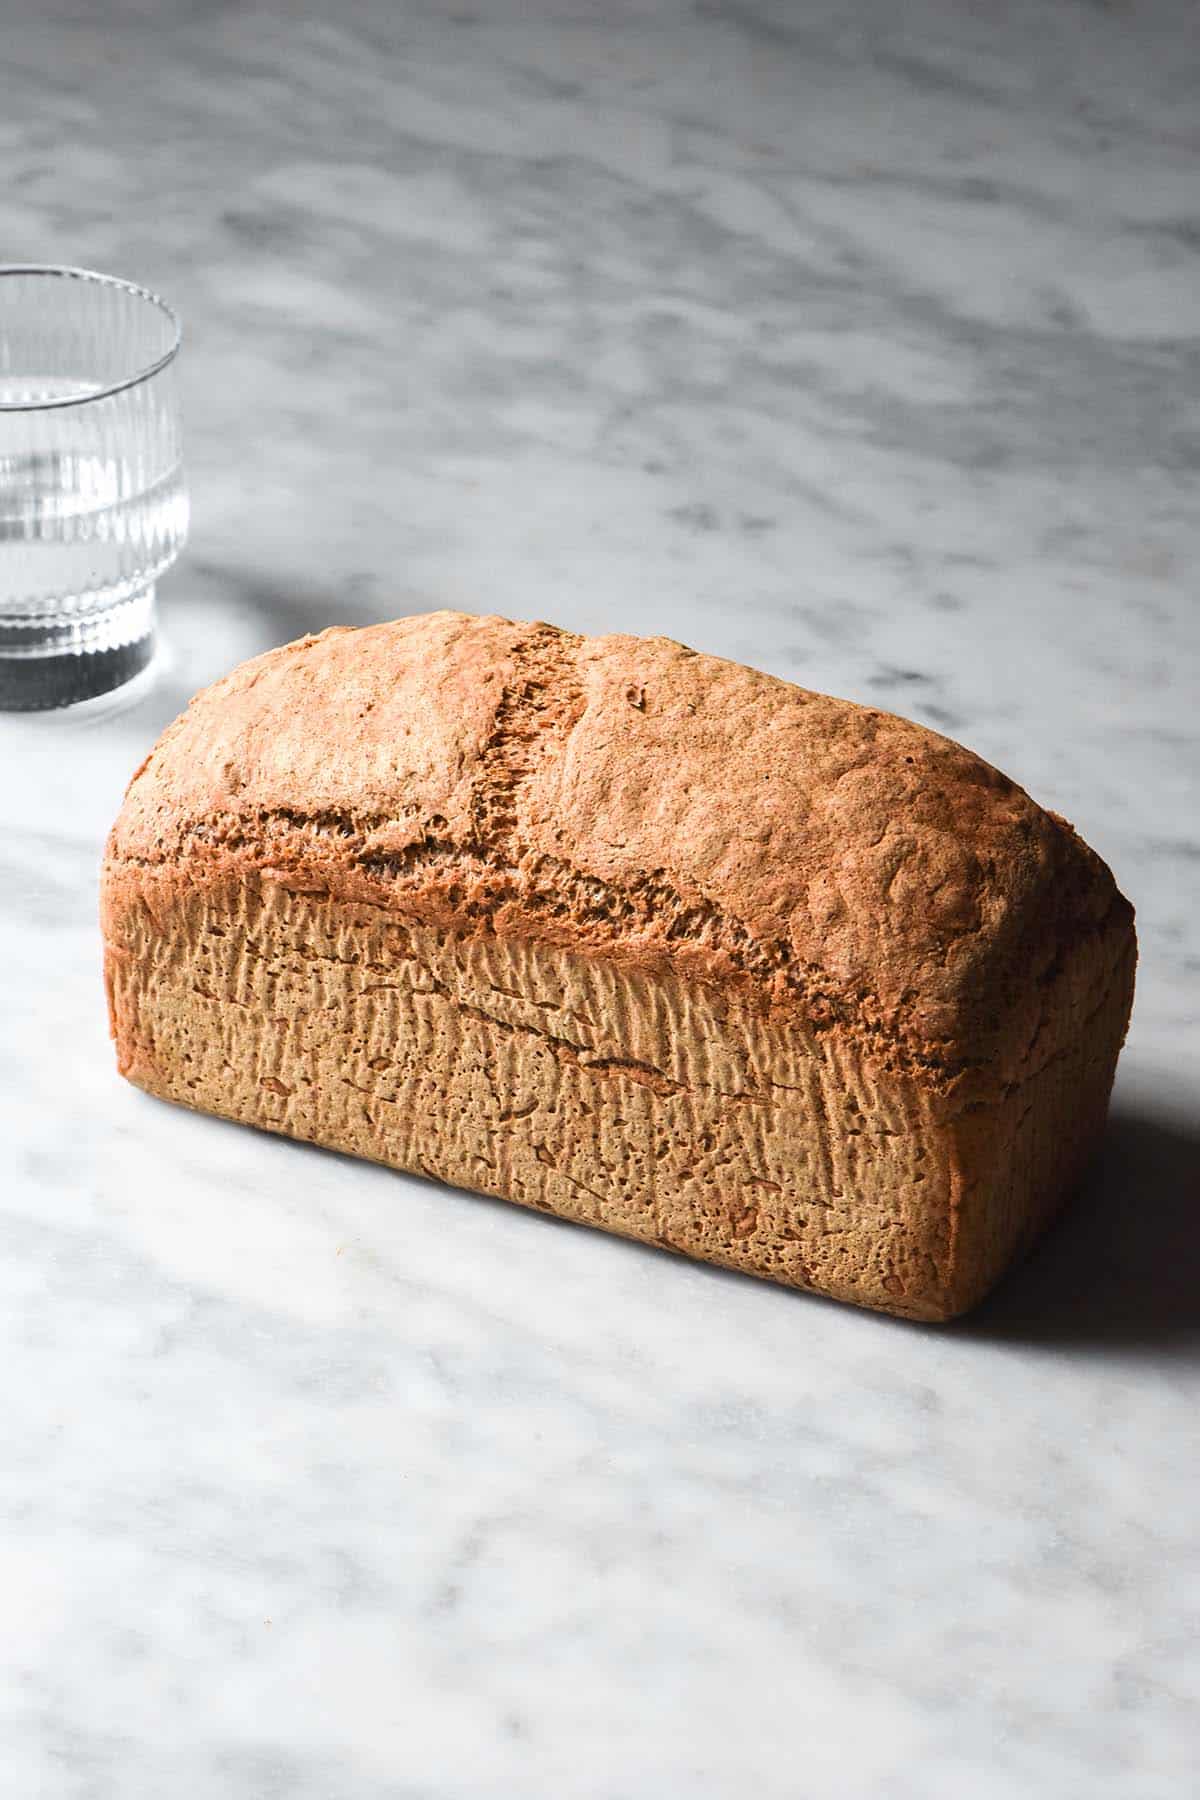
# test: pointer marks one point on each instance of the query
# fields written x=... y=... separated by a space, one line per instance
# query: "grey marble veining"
x=859 y=342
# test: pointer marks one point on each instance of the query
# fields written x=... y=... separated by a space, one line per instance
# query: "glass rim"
x=68 y=271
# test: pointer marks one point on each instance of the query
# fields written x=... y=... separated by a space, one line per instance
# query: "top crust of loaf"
x=628 y=797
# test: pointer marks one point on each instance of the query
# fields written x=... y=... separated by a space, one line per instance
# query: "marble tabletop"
x=860 y=342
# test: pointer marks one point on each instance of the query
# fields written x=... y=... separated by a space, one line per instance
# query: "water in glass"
x=93 y=506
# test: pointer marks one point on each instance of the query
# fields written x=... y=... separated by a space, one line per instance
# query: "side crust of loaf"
x=669 y=1111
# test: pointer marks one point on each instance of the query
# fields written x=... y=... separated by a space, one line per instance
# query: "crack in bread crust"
x=473 y=889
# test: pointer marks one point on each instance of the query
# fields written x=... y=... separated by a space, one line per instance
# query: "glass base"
x=51 y=663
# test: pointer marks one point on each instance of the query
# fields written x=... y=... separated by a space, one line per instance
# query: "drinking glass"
x=93 y=506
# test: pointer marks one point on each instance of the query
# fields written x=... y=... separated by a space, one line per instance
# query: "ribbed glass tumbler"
x=93 y=506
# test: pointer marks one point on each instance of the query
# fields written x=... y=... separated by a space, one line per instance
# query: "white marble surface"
x=858 y=341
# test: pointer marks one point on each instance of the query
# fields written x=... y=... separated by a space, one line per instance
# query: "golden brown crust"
x=628 y=797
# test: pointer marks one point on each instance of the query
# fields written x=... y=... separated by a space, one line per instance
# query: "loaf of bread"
x=631 y=935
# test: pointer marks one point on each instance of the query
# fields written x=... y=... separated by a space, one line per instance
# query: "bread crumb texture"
x=633 y=935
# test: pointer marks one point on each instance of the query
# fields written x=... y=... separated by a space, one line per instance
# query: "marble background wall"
x=861 y=342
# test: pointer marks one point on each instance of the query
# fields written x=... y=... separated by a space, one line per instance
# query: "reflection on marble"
x=859 y=342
